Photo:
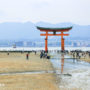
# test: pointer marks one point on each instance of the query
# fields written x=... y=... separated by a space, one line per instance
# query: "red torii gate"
x=54 y=30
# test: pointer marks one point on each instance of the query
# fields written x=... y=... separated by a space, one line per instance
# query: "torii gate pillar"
x=62 y=42
x=46 y=42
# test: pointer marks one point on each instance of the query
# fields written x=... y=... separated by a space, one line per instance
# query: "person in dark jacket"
x=27 y=56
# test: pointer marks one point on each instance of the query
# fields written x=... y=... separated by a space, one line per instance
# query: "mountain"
x=18 y=31
x=28 y=30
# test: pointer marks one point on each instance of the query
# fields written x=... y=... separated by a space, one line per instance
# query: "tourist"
x=45 y=55
x=35 y=52
x=89 y=54
x=8 y=53
x=27 y=56
x=41 y=54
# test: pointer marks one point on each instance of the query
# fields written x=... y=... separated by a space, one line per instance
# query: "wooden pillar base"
x=62 y=44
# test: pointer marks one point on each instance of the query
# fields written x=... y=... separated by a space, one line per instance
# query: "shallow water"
x=69 y=63
x=76 y=74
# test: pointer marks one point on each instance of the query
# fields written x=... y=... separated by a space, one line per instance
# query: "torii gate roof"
x=54 y=29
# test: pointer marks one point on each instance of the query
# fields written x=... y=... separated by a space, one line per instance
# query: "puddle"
x=31 y=72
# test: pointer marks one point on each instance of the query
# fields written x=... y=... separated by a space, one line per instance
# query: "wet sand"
x=85 y=59
x=16 y=62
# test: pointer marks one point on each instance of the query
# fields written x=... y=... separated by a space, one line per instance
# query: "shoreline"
x=42 y=48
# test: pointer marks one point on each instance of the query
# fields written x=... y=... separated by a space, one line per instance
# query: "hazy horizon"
x=45 y=22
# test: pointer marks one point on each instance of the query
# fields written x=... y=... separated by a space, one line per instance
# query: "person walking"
x=27 y=56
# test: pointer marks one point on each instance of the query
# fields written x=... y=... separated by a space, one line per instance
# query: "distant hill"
x=18 y=31
x=28 y=30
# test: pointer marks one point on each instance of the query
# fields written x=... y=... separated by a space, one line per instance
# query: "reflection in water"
x=65 y=64
x=62 y=62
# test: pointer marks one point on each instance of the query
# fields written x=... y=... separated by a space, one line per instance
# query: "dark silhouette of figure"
x=41 y=55
x=35 y=52
x=89 y=54
x=27 y=56
x=8 y=53
x=73 y=57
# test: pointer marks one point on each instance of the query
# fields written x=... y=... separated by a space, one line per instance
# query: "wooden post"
x=46 y=42
x=62 y=42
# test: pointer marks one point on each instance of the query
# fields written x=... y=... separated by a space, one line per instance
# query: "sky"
x=52 y=11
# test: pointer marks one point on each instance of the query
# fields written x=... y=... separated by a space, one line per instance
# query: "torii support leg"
x=62 y=43
x=46 y=42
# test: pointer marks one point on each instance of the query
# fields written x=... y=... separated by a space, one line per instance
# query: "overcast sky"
x=53 y=11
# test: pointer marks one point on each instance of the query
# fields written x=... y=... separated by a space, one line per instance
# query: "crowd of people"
x=80 y=54
x=74 y=53
x=43 y=54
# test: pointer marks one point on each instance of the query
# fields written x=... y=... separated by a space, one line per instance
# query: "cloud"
x=2 y=13
x=54 y=11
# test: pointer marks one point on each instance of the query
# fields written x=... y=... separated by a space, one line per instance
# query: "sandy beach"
x=16 y=62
